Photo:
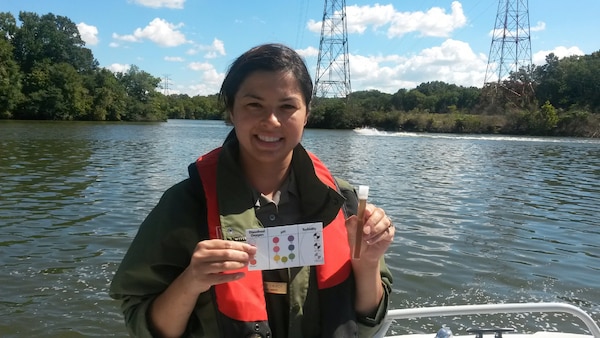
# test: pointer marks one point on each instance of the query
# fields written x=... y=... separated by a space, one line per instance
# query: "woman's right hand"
x=215 y=261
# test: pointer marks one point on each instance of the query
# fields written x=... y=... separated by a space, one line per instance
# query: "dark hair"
x=268 y=57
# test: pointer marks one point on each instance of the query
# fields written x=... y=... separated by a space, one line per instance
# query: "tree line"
x=560 y=98
x=47 y=73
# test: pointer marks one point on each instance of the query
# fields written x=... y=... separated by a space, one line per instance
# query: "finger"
x=221 y=263
x=374 y=214
x=384 y=226
x=373 y=218
x=385 y=235
x=220 y=256
x=213 y=244
x=221 y=266
x=218 y=250
x=221 y=278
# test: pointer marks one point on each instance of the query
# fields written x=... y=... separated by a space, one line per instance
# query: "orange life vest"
x=244 y=299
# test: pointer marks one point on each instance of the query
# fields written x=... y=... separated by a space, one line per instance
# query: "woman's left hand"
x=378 y=233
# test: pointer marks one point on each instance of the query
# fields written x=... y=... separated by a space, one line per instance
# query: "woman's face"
x=269 y=115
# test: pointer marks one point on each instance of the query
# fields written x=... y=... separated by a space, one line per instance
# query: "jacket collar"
x=236 y=201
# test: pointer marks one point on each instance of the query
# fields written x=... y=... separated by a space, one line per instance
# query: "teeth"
x=268 y=138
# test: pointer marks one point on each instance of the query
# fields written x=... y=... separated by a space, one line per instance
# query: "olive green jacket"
x=165 y=241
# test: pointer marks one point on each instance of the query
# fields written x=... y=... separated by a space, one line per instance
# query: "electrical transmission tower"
x=333 y=68
x=511 y=44
x=165 y=84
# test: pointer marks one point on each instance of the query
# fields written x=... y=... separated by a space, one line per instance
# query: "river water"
x=480 y=218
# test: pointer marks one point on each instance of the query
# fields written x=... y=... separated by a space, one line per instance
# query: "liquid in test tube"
x=363 y=194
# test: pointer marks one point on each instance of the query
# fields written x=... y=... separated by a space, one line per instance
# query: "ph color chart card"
x=286 y=246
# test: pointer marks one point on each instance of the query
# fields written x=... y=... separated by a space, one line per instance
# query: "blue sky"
x=392 y=44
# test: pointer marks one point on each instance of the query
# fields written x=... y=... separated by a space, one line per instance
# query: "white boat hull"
x=461 y=310
x=506 y=335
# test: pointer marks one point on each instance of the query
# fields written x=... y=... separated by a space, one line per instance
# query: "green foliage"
x=466 y=124
x=142 y=102
x=548 y=118
x=8 y=26
x=542 y=121
x=571 y=81
x=450 y=123
x=47 y=73
x=332 y=114
x=108 y=97
x=372 y=100
x=384 y=120
x=51 y=37
x=54 y=92
x=10 y=80
x=577 y=122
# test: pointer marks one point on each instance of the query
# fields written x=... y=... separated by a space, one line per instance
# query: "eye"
x=289 y=107
x=254 y=105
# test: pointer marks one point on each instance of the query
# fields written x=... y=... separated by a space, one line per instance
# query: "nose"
x=271 y=117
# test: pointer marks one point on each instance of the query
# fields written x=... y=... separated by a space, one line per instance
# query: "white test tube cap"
x=363 y=192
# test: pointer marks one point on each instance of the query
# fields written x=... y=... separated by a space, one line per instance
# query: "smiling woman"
x=199 y=233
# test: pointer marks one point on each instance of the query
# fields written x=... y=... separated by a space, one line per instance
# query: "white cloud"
x=118 y=68
x=201 y=89
x=159 y=31
x=213 y=77
x=314 y=26
x=540 y=26
x=126 y=38
x=200 y=66
x=308 y=52
x=361 y=17
x=210 y=79
x=177 y=4
x=89 y=34
x=539 y=58
x=434 y=22
x=451 y=62
x=216 y=49
x=174 y=58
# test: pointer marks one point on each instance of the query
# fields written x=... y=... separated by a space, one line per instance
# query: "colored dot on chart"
x=291 y=247
x=290 y=238
x=284 y=259
x=253 y=262
x=275 y=240
x=292 y=256
x=275 y=249
x=276 y=258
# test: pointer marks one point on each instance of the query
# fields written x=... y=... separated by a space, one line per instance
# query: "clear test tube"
x=363 y=194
